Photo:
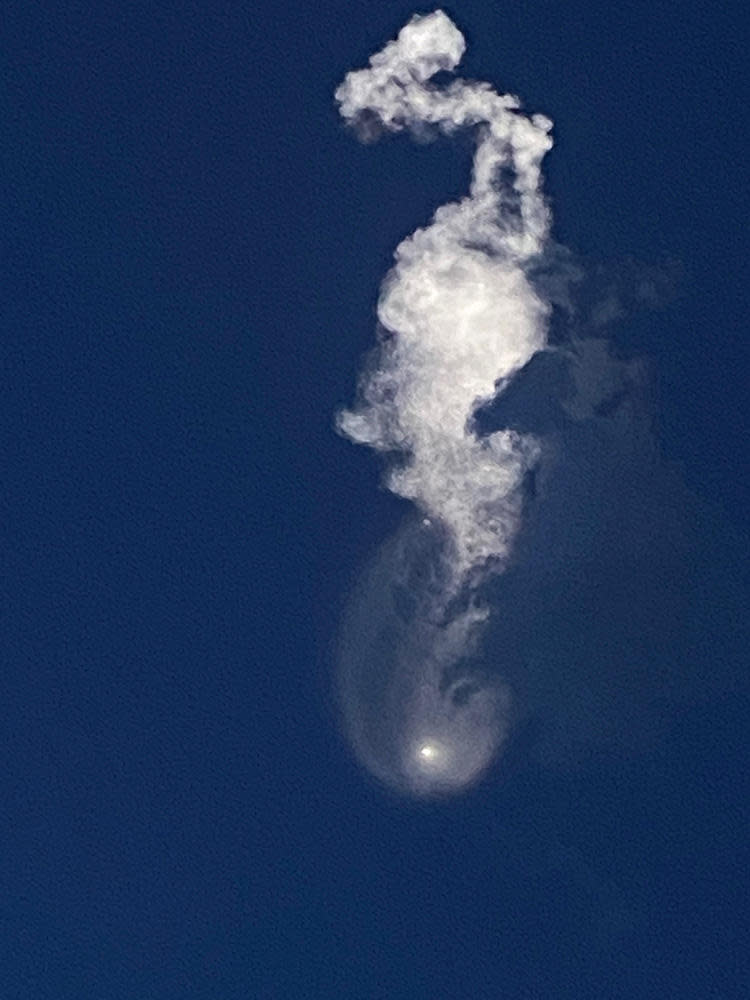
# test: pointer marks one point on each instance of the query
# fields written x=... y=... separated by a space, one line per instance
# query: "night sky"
x=192 y=246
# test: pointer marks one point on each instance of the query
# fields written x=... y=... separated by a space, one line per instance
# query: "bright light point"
x=431 y=756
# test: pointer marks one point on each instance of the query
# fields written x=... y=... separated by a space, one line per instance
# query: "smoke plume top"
x=458 y=313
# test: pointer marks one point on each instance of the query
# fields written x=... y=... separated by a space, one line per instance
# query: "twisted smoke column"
x=459 y=318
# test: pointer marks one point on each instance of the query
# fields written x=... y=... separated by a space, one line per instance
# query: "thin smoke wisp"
x=458 y=318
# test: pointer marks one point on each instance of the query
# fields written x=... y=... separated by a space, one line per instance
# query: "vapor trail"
x=458 y=312
x=459 y=317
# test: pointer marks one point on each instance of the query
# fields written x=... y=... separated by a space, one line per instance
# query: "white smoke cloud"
x=459 y=313
x=613 y=535
x=459 y=318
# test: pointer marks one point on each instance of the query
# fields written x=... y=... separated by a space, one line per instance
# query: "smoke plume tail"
x=458 y=312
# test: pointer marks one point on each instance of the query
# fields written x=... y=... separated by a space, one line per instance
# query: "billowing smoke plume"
x=459 y=318
x=458 y=312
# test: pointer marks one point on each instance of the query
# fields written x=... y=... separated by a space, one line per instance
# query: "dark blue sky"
x=191 y=251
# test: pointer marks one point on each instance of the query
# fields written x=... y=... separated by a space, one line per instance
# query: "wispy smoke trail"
x=459 y=318
x=458 y=312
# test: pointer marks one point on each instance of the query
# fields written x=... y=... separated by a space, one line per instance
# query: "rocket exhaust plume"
x=459 y=317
